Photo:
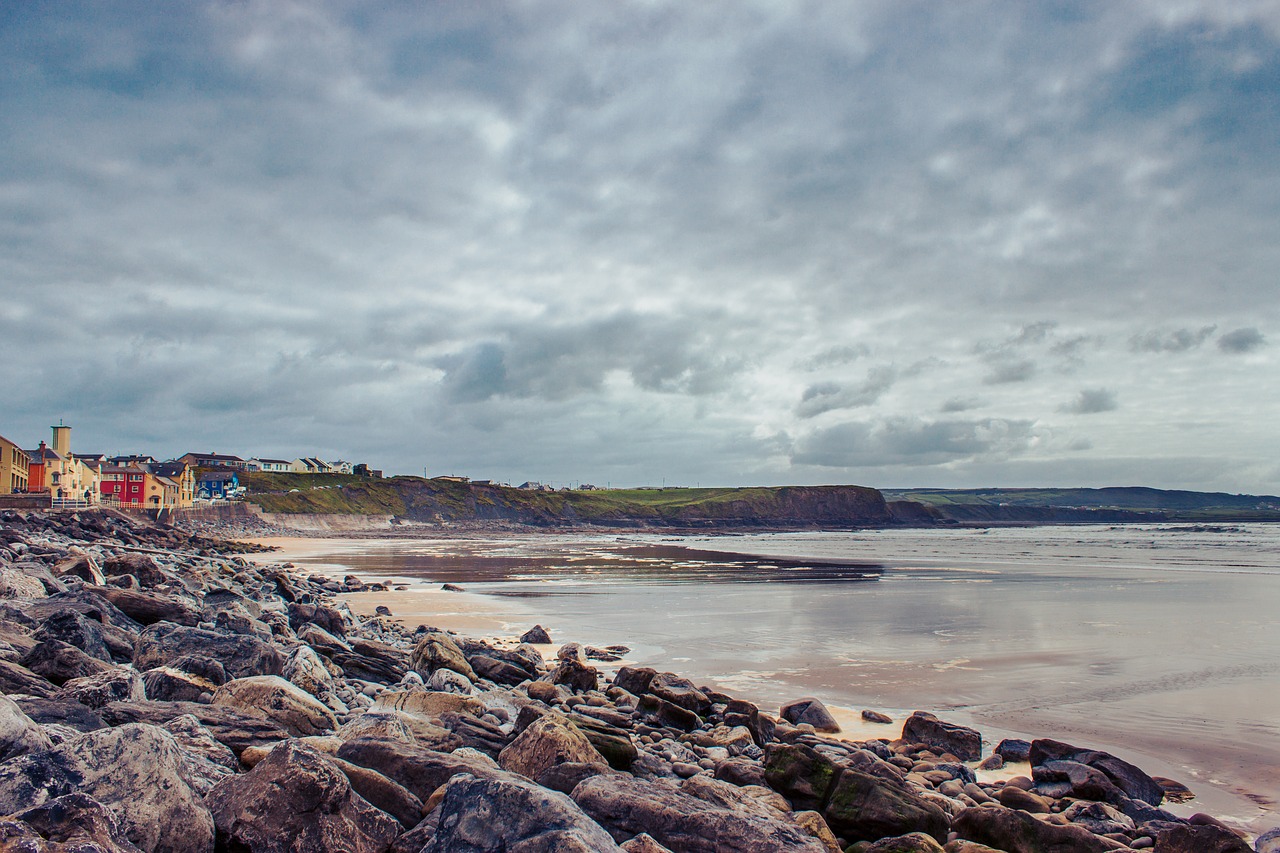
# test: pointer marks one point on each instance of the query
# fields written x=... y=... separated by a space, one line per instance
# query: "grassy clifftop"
x=1126 y=503
x=419 y=499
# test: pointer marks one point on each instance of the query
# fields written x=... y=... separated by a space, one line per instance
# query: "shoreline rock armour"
x=166 y=694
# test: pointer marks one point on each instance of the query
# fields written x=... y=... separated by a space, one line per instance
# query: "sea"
x=1158 y=642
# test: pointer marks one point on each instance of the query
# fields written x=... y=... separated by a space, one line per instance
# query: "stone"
x=16 y=584
x=445 y=680
x=861 y=806
x=912 y=842
x=205 y=667
x=296 y=799
x=644 y=843
x=371 y=660
x=548 y=741
x=75 y=629
x=437 y=650
x=816 y=825
x=1013 y=749
x=634 y=679
x=1200 y=839
x=150 y=607
x=168 y=684
x=19 y=734
x=419 y=770
x=60 y=662
x=1268 y=842
x=304 y=668
x=612 y=742
x=236 y=729
x=1018 y=832
x=627 y=806
x=536 y=635
x=811 y=711
x=71 y=715
x=115 y=685
x=963 y=742
x=426 y=703
x=1125 y=776
x=1013 y=797
x=565 y=777
x=388 y=725
x=1071 y=778
x=136 y=771
x=498 y=671
x=680 y=691
x=76 y=823
x=669 y=714
x=381 y=792
x=1098 y=818
x=876 y=717
x=141 y=566
x=287 y=705
x=575 y=675
x=740 y=771
x=510 y=813
x=240 y=655
x=328 y=618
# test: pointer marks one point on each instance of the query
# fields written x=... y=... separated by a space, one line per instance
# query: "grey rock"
x=19 y=734
x=284 y=703
x=137 y=771
x=95 y=691
x=963 y=742
x=240 y=655
x=295 y=799
x=811 y=711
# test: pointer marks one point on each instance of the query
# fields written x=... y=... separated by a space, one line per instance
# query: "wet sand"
x=1175 y=723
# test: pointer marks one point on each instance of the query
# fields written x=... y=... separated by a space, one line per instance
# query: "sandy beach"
x=1226 y=783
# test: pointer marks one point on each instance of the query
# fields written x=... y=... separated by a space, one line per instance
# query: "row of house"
x=137 y=482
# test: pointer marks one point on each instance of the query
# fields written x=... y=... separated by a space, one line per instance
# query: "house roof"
x=169 y=469
x=218 y=456
x=271 y=461
x=218 y=477
x=44 y=454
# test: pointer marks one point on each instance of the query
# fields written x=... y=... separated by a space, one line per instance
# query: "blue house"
x=218 y=485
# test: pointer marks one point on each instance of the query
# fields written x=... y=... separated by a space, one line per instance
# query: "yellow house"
x=15 y=466
x=56 y=470
x=183 y=477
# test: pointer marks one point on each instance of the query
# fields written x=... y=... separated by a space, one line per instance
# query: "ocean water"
x=1160 y=642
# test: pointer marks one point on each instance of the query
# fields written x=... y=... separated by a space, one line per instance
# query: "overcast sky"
x=718 y=243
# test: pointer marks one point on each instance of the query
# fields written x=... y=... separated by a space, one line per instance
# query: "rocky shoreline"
x=164 y=693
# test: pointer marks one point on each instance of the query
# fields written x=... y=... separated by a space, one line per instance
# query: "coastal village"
x=53 y=475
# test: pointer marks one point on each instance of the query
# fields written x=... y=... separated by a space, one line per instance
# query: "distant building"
x=272 y=466
x=218 y=485
x=213 y=460
x=534 y=486
x=15 y=468
x=57 y=471
x=340 y=467
x=310 y=465
x=363 y=470
x=183 y=477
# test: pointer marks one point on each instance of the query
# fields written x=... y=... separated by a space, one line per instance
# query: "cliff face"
x=435 y=501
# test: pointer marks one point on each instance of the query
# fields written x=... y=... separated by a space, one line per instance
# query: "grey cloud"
x=960 y=404
x=1241 y=340
x=829 y=396
x=1091 y=401
x=911 y=441
x=836 y=356
x=1176 y=340
x=1008 y=371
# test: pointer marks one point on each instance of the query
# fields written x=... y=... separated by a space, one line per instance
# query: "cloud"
x=960 y=404
x=1174 y=341
x=829 y=396
x=1091 y=401
x=911 y=441
x=1241 y=340
x=1005 y=371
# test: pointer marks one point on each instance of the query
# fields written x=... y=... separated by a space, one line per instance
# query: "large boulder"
x=1206 y=838
x=75 y=629
x=548 y=741
x=1018 y=832
x=510 y=813
x=370 y=660
x=17 y=679
x=19 y=734
x=289 y=706
x=137 y=771
x=811 y=711
x=328 y=618
x=60 y=662
x=574 y=674
x=17 y=584
x=437 y=650
x=296 y=799
x=148 y=607
x=75 y=823
x=634 y=679
x=680 y=691
x=141 y=566
x=169 y=684
x=115 y=685
x=232 y=727
x=676 y=818
x=305 y=669
x=419 y=770
x=861 y=806
x=962 y=742
x=1125 y=776
x=912 y=842
x=240 y=655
